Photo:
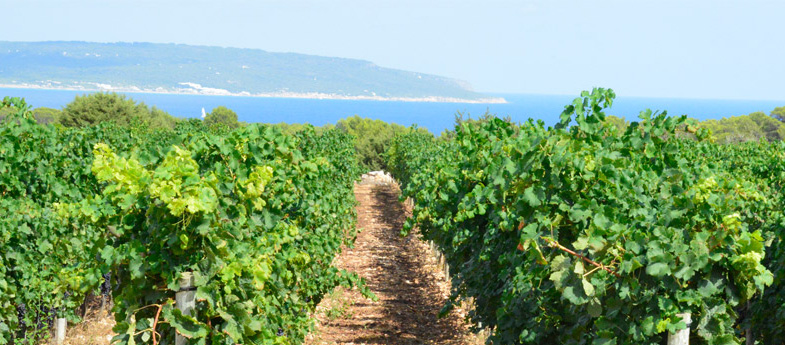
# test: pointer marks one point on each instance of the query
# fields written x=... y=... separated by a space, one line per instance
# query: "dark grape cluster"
x=21 y=310
x=41 y=317
x=106 y=286
x=39 y=321
x=52 y=316
x=119 y=282
x=280 y=332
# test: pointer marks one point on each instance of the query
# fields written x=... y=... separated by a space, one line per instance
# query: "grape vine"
x=255 y=215
x=580 y=233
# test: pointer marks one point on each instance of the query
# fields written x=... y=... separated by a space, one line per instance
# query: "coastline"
x=196 y=89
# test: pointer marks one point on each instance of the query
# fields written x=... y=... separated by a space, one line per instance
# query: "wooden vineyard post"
x=60 y=326
x=681 y=337
x=441 y=260
x=444 y=267
x=185 y=301
x=750 y=340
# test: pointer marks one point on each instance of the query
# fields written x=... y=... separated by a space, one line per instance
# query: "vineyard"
x=253 y=215
x=585 y=234
x=580 y=233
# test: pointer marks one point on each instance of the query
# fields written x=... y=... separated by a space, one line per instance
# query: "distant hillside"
x=214 y=70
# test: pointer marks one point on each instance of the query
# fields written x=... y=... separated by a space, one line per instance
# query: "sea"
x=436 y=117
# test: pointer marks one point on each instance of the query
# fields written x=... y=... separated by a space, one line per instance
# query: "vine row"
x=583 y=233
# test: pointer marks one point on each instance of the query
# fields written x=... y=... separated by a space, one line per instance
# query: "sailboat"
x=204 y=114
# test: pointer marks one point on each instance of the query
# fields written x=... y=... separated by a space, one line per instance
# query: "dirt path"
x=401 y=272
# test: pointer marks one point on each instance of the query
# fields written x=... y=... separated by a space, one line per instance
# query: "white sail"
x=204 y=114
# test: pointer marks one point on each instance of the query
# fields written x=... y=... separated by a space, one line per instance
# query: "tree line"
x=736 y=129
x=373 y=136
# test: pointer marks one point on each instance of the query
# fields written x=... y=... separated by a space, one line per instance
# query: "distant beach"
x=196 y=89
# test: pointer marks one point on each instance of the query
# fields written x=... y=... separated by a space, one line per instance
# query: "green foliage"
x=373 y=138
x=42 y=115
x=620 y=123
x=778 y=113
x=764 y=164
x=4 y=112
x=752 y=127
x=294 y=128
x=257 y=216
x=159 y=119
x=222 y=116
x=95 y=108
x=583 y=233
x=461 y=117
x=48 y=264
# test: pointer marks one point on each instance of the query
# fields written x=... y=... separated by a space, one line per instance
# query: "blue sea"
x=434 y=116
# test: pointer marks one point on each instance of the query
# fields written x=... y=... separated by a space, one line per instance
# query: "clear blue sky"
x=656 y=48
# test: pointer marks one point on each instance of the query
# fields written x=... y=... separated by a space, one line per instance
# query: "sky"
x=712 y=49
